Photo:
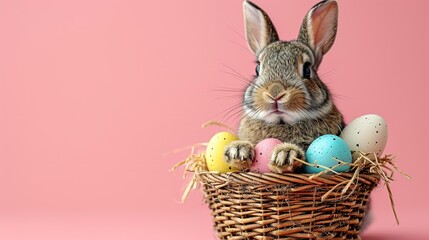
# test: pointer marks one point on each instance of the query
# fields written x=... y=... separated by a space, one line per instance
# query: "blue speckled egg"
x=326 y=150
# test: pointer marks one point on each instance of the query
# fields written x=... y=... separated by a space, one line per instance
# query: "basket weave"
x=286 y=206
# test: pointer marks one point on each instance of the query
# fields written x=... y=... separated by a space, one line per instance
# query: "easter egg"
x=215 y=152
x=367 y=133
x=263 y=151
x=325 y=151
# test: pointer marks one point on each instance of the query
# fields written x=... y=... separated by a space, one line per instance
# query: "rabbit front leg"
x=240 y=155
x=283 y=158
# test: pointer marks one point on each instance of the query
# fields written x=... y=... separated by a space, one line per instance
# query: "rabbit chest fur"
x=301 y=133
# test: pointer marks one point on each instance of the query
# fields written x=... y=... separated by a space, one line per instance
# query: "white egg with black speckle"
x=367 y=133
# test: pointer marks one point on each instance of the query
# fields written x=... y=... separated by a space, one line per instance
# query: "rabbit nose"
x=275 y=93
x=274 y=99
x=276 y=90
x=280 y=96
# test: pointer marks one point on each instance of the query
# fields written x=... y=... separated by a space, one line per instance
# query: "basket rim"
x=286 y=178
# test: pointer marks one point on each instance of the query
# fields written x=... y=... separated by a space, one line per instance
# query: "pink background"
x=93 y=93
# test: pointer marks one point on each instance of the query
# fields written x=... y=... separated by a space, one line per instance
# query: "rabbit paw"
x=239 y=154
x=283 y=158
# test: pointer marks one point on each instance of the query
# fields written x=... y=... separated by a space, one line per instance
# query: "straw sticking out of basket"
x=194 y=163
x=384 y=167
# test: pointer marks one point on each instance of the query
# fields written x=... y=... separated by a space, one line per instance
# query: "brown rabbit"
x=286 y=100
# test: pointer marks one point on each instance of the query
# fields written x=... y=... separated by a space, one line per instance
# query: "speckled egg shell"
x=215 y=152
x=326 y=150
x=367 y=133
x=263 y=152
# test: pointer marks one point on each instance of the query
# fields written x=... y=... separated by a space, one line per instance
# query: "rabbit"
x=286 y=100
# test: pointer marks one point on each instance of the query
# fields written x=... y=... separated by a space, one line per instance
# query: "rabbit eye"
x=306 y=70
x=257 y=69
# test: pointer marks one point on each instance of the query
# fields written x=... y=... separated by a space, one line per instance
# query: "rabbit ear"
x=259 y=29
x=319 y=27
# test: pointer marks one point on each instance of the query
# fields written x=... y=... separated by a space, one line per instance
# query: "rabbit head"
x=286 y=88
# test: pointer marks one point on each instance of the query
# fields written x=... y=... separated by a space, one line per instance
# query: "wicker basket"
x=286 y=206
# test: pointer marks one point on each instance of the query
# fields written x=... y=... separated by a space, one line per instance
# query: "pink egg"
x=263 y=151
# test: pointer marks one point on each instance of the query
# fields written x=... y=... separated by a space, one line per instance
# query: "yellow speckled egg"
x=215 y=152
